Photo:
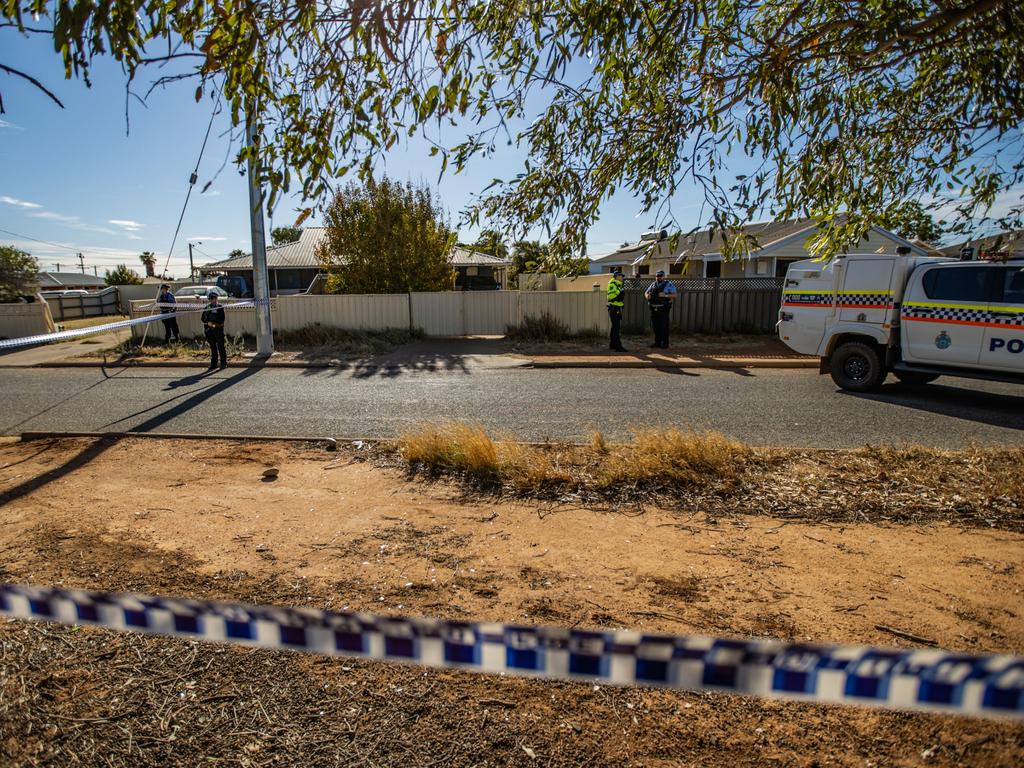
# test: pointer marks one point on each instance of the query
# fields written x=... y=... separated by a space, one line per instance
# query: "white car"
x=200 y=292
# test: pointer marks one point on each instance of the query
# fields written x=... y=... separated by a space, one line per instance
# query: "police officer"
x=213 y=322
x=171 y=332
x=616 y=294
x=660 y=295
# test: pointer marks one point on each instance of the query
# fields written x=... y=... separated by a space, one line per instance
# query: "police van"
x=917 y=317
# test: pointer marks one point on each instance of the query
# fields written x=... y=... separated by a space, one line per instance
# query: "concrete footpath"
x=438 y=354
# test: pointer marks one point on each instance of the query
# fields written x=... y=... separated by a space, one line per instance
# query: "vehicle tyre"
x=856 y=366
x=914 y=378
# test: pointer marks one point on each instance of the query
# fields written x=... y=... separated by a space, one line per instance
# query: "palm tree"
x=148 y=258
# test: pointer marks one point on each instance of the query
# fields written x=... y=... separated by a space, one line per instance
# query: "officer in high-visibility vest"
x=616 y=294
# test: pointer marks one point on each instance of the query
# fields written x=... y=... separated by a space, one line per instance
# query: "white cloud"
x=127 y=224
x=51 y=216
x=206 y=238
x=212 y=193
x=15 y=201
x=8 y=124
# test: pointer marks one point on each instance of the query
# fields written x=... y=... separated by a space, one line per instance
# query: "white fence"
x=453 y=313
x=18 y=320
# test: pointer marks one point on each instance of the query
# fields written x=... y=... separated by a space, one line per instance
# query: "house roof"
x=298 y=255
x=1006 y=242
x=703 y=243
x=464 y=257
x=302 y=255
x=69 y=280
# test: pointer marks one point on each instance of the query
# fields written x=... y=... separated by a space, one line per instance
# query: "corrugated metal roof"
x=302 y=255
x=298 y=255
x=702 y=243
x=464 y=257
x=69 y=280
x=1007 y=242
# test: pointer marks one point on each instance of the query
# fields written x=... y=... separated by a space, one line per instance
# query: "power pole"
x=57 y=266
x=95 y=270
x=191 y=266
x=261 y=282
x=81 y=262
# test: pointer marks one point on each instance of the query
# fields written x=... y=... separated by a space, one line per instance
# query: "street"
x=762 y=407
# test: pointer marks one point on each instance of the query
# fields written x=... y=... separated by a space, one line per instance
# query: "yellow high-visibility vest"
x=615 y=289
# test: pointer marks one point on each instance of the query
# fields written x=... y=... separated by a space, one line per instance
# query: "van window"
x=1013 y=285
x=960 y=284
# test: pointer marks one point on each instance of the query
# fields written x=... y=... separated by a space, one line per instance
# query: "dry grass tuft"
x=672 y=457
x=597 y=442
x=451 y=447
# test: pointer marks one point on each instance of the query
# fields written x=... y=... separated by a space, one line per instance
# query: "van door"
x=865 y=296
x=945 y=312
x=1003 y=349
x=808 y=300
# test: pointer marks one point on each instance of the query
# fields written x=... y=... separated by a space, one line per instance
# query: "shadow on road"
x=390 y=369
x=106 y=377
x=193 y=399
x=990 y=408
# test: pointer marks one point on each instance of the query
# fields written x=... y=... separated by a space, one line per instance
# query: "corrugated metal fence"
x=711 y=305
x=75 y=306
x=704 y=306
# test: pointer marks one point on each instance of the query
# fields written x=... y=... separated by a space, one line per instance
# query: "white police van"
x=866 y=315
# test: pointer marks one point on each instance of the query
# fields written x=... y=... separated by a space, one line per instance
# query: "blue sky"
x=73 y=177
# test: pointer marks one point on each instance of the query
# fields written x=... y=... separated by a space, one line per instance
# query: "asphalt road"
x=763 y=407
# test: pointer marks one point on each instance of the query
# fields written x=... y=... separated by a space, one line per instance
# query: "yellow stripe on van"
x=940 y=305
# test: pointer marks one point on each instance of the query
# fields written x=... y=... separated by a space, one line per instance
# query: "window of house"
x=713 y=269
x=960 y=284
x=677 y=269
x=644 y=269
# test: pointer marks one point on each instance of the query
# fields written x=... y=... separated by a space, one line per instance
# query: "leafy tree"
x=491 y=243
x=19 y=273
x=839 y=107
x=527 y=256
x=912 y=221
x=285 y=235
x=121 y=275
x=148 y=259
x=237 y=253
x=386 y=237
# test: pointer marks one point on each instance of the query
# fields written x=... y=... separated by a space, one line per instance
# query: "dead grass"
x=657 y=459
x=707 y=471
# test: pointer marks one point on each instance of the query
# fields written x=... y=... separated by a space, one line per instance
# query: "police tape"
x=245 y=304
x=893 y=678
x=45 y=338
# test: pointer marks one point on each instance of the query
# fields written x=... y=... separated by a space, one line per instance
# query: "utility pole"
x=95 y=270
x=81 y=262
x=261 y=283
x=57 y=266
x=191 y=266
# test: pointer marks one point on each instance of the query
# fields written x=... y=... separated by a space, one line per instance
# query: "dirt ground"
x=338 y=531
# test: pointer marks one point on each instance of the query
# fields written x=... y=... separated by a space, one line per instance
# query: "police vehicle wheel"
x=913 y=378
x=856 y=366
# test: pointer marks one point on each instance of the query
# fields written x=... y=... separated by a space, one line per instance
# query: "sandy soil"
x=335 y=531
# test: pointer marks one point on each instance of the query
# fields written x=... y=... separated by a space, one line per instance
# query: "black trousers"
x=215 y=338
x=615 y=315
x=660 y=317
x=171 y=330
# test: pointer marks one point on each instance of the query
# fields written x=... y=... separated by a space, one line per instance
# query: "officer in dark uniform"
x=660 y=295
x=213 y=322
x=616 y=294
x=171 y=332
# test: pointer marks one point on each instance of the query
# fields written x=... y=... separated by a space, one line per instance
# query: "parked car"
x=237 y=287
x=199 y=292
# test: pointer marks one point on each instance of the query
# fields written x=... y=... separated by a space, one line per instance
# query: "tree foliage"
x=19 y=273
x=492 y=243
x=912 y=221
x=841 y=109
x=121 y=275
x=386 y=237
x=285 y=235
x=148 y=259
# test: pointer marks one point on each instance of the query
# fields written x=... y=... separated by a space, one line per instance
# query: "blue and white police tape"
x=44 y=338
x=893 y=678
x=243 y=304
